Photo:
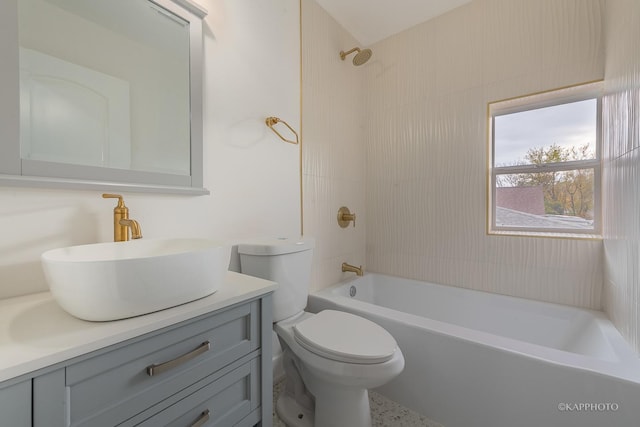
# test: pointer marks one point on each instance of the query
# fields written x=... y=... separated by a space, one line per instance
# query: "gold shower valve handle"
x=345 y=216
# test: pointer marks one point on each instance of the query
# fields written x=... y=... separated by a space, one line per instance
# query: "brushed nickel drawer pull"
x=202 y=419
x=162 y=367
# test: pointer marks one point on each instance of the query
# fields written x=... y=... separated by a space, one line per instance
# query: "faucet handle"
x=115 y=196
x=345 y=216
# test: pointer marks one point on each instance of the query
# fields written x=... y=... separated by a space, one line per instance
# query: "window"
x=545 y=163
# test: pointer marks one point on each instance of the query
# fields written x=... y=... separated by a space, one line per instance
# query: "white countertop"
x=35 y=332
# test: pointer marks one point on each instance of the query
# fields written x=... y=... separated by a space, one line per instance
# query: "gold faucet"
x=121 y=221
x=351 y=268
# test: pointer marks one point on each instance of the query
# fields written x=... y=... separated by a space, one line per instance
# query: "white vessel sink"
x=116 y=280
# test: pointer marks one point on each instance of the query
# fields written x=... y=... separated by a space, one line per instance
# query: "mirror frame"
x=15 y=171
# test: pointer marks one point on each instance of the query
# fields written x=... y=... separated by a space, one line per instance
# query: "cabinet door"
x=15 y=405
x=49 y=399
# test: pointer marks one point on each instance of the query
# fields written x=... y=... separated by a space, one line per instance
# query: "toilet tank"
x=285 y=261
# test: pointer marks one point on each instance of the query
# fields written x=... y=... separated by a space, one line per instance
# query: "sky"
x=567 y=125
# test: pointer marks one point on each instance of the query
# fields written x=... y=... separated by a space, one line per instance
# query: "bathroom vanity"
x=207 y=362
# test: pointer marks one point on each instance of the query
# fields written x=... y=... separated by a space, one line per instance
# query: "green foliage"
x=553 y=207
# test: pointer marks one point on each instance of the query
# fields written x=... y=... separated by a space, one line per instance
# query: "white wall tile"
x=424 y=134
x=426 y=150
x=621 y=171
x=516 y=32
x=333 y=145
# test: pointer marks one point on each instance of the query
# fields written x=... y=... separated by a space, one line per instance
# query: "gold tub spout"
x=352 y=268
x=136 y=232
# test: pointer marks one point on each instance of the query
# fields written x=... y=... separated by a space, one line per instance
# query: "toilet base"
x=293 y=414
x=345 y=408
x=338 y=406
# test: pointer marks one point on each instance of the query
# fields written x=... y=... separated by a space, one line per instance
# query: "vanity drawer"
x=223 y=402
x=113 y=387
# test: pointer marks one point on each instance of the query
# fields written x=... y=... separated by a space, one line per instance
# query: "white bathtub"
x=475 y=359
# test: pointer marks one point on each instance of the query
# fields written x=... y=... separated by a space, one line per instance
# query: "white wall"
x=333 y=145
x=621 y=172
x=252 y=63
x=427 y=91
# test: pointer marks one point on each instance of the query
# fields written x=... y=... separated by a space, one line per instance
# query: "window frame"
x=566 y=95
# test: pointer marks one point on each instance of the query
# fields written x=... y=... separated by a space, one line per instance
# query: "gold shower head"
x=361 y=57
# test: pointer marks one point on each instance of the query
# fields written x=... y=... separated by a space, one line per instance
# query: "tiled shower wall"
x=621 y=177
x=425 y=134
x=333 y=145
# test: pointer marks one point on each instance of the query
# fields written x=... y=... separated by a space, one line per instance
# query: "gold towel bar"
x=272 y=121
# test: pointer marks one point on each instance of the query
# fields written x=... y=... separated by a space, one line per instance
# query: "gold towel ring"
x=272 y=121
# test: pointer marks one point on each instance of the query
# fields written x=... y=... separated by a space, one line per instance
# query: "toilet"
x=331 y=358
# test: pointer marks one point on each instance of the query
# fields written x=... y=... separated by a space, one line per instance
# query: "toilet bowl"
x=331 y=358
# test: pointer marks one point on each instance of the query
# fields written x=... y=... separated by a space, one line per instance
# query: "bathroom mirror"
x=106 y=93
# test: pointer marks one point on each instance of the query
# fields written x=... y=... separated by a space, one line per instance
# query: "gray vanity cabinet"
x=207 y=371
x=15 y=404
x=110 y=388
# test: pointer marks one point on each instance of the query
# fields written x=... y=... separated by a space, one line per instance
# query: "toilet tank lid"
x=276 y=246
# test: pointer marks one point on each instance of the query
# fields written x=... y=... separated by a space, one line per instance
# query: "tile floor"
x=384 y=412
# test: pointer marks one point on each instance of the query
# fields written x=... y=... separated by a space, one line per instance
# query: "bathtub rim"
x=627 y=368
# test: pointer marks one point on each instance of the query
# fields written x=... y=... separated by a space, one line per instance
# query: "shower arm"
x=343 y=55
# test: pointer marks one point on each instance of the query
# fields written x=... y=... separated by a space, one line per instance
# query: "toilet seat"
x=345 y=337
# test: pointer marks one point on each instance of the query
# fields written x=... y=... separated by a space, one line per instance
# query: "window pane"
x=546 y=135
x=546 y=200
